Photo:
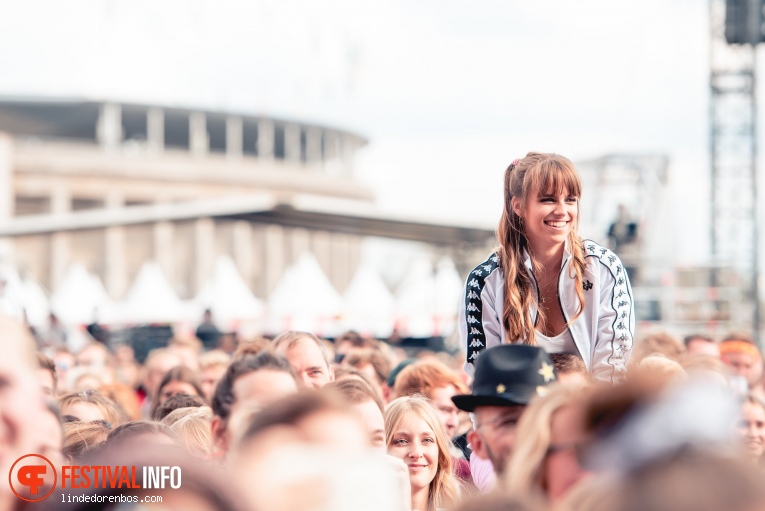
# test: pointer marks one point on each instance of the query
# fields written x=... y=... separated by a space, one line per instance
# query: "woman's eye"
x=429 y=440
x=571 y=199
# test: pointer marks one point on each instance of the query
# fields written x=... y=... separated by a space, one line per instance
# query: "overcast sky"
x=447 y=92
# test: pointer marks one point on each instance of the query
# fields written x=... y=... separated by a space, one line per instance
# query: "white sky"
x=448 y=92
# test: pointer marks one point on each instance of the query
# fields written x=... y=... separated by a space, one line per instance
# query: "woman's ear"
x=515 y=203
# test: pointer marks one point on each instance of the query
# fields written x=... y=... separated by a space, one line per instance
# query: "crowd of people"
x=299 y=422
x=554 y=403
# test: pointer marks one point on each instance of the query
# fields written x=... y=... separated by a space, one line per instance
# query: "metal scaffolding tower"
x=733 y=155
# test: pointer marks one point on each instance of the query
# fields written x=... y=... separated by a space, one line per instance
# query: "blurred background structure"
x=358 y=151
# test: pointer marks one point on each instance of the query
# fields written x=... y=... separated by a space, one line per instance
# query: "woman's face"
x=547 y=219
x=752 y=429
x=176 y=387
x=561 y=469
x=85 y=411
x=415 y=442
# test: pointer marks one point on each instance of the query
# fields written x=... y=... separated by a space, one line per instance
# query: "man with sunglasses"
x=507 y=377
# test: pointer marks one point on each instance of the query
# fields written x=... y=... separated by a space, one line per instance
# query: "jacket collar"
x=566 y=257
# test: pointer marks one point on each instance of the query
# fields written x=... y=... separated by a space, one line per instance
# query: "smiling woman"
x=544 y=285
x=414 y=433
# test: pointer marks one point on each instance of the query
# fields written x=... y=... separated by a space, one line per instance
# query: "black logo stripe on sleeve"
x=621 y=302
x=476 y=338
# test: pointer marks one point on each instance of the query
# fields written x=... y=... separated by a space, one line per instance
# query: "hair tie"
x=515 y=163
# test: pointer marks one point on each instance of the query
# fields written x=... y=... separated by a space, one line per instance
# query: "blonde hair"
x=542 y=172
x=444 y=489
x=194 y=432
x=111 y=411
x=214 y=358
x=82 y=437
x=534 y=437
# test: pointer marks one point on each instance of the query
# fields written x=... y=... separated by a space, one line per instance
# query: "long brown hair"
x=543 y=172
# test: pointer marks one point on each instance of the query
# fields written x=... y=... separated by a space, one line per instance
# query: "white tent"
x=449 y=289
x=79 y=296
x=228 y=296
x=427 y=301
x=369 y=306
x=12 y=294
x=35 y=302
x=416 y=300
x=304 y=299
x=151 y=299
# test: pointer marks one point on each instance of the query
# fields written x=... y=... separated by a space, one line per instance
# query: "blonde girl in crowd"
x=415 y=434
x=544 y=285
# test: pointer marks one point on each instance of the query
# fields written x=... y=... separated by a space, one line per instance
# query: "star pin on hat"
x=508 y=375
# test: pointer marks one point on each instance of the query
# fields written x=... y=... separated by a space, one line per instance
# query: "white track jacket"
x=603 y=333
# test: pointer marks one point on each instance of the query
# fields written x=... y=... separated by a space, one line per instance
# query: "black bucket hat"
x=508 y=375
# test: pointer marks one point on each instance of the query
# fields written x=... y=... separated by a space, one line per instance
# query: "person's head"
x=438 y=383
x=249 y=382
x=660 y=367
x=47 y=375
x=307 y=356
x=739 y=352
x=142 y=433
x=700 y=344
x=82 y=438
x=414 y=433
x=178 y=380
x=550 y=436
x=507 y=377
x=541 y=215
x=348 y=341
x=180 y=413
x=125 y=397
x=751 y=426
x=158 y=362
x=175 y=402
x=251 y=347
x=194 y=434
x=212 y=367
x=542 y=194
x=188 y=348
x=371 y=362
x=570 y=368
x=91 y=405
x=662 y=343
x=313 y=417
x=97 y=358
x=364 y=400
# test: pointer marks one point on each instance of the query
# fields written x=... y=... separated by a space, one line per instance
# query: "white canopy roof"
x=151 y=299
x=304 y=299
x=369 y=306
x=80 y=296
x=427 y=300
x=228 y=296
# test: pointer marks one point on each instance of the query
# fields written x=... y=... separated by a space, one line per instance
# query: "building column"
x=292 y=142
x=243 y=250
x=109 y=127
x=115 y=274
x=204 y=251
x=265 y=139
x=313 y=145
x=199 y=140
x=234 y=137
x=7 y=194
x=163 y=234
x=60 y=241
x=331 y=153
x=274 y=260
x=155 y=130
